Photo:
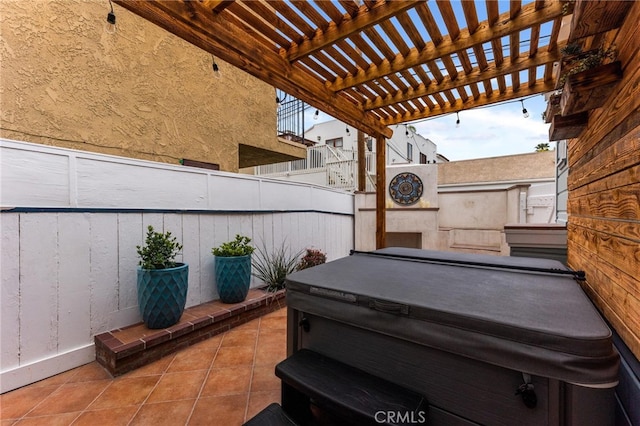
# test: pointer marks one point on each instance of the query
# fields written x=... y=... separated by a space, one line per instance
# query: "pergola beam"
x=380 y=12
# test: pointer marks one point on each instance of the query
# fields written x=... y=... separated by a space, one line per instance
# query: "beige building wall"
x=141 y=92
x=535 y=165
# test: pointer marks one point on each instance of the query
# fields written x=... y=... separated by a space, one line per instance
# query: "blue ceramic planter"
x=233 y=276
x=162 y=295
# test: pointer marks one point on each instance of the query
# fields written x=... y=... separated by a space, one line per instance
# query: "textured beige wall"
x=141 y=92
x=511 y=167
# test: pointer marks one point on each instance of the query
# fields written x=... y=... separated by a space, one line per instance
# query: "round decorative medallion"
x=405 y=189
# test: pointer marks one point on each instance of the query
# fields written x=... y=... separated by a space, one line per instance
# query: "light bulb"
x=525 y=113
x=110 y=26
x=316 y=115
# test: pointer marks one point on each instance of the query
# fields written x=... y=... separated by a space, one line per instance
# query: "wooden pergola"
x=376 y=63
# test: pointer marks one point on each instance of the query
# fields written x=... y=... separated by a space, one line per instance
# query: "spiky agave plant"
x=272 y=267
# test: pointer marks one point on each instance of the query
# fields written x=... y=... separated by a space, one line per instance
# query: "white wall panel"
x=204 y=289
x=9 y=291
x=104 y=281
x=45 y=175
x=130 y=235
x=191 y=251
x=111 y=184
x=73 y=280
x=296 y=196
x=38 y=286
x=331 y=201
x=234 y=193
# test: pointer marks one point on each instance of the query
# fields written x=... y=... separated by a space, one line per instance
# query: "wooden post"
x=362 y=163
x=381 y=191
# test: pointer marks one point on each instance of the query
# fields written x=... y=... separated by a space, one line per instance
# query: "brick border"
x=120 y=357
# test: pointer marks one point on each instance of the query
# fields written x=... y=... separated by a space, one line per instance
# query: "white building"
x=405 y=146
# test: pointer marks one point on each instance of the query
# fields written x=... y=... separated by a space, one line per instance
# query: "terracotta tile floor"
x=224 y=380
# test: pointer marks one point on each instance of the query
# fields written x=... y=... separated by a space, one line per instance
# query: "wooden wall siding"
x=69 y=270
x=604 y=195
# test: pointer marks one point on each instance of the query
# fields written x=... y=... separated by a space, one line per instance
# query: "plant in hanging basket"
x=588 y=80
x=575 y=60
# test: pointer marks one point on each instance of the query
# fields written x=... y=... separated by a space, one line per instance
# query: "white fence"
x=70 y=224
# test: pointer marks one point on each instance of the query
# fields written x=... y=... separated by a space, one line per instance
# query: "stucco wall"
x=141 y=92
x=535 y=165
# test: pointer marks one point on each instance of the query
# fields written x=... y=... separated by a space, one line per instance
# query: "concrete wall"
x=70 y=223
x=466 y=217
x=141 y=92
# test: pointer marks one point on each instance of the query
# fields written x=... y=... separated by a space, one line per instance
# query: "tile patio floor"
x=224 y=381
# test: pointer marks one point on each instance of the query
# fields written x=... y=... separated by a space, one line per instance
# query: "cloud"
x=488 y=132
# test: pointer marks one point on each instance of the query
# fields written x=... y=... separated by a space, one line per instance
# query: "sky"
x=492 y=131
x=489 y=132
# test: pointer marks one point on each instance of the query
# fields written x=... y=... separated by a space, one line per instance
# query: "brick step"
x=125 y=349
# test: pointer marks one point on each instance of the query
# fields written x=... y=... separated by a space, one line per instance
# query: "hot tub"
x=487 y=340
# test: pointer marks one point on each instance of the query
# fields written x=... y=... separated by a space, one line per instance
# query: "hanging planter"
x=586 y=78
x=589 y=89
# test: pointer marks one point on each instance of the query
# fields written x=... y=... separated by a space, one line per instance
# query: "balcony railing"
x=340 y=166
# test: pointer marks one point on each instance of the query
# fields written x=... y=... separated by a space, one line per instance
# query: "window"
x=336 y=143
x=202 y=164
x=409 y=152
x=423 y=158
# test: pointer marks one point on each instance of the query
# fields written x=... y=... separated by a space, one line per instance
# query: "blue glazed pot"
x=233 y=276
x=162 y=295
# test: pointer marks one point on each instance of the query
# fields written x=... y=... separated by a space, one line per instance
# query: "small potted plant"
x=233 y=269
x=162 y=282
x=312 y=257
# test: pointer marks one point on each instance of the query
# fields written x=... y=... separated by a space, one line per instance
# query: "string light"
x=457 y=119
x=281 y=101
x=316 y=115
x=525 y=113
x=110 y=27
x=216 y=69
x=348 y=131
x=497 y=104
